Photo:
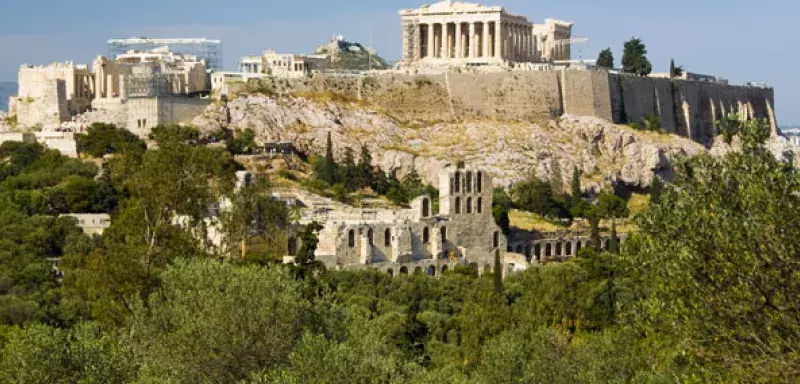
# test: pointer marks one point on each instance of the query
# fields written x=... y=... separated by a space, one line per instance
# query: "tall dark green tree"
x=329 y=164
x=606 y=59
x=365 y=170
x=350 y=175
x=634 y=59
x=498 y=272
x=675 y=71
x=577 y=191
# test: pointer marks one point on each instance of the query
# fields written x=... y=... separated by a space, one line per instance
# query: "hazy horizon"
x=720 y=38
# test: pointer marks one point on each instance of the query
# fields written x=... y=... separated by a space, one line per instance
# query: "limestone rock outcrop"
x=604 y=152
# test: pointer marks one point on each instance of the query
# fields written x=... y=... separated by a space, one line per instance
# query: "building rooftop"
x=147 y=40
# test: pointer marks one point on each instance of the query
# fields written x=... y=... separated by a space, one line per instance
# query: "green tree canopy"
x=606 y=59
x=634 y=59
x=718 y=259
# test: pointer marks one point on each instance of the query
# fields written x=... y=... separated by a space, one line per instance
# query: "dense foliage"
x=707 y=292
x=606 y=59
x=634 y=59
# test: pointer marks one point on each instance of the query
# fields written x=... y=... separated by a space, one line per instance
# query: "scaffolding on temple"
x=204 y=49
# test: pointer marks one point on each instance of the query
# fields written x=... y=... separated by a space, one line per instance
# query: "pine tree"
x=634 y=59
x=606 y=59
x=329 y=166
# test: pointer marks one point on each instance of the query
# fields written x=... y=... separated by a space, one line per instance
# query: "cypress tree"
x=614 y=246
x=576 y=186
x=329 y=167
x=498 y=272
x=366 y=177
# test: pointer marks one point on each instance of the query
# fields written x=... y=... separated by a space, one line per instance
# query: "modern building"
x=203 y=49
x=456 y=33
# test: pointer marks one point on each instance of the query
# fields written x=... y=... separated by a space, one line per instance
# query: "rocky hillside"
x=350 y=56
x=606 y=153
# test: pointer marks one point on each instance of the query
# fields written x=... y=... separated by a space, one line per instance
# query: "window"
x=351 y=238
x=458 y=205
x=426 y=208
x=387 y=237
x=479 y=183
x=469 y=182
x=426 y=236
x=479 y=205
x=496 y=240
x=292 y=246
x=457 y=186
x=371 y=237
x=469 y=205
x=443 y=232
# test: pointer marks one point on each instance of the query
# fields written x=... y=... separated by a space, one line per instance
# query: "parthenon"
x=456 y=33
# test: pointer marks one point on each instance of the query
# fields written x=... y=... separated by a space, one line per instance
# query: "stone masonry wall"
x=687 y=108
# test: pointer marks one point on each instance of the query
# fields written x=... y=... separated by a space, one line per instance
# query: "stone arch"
x=351 y=238
x=387 y=237
x=537 y=250
x=445 y=269
x=578 y=246
x=469 y=205
x=457 y=183
x=292 y=246
x=479 y=182
x=443 y=233
x=418 y=270
x=371 y=237
x=496 y=240
x=569 y=249
x=487 y=269
x=479 y=205
x=458 y=205
x=559 y=248
x=607 y=244
x=528 y=255
x=426 y=208
x=548 y=250
x=474 y=266
x=426 y=235
x=431 y=270
x=390 y=272
x=404 y=270
x=469 y=181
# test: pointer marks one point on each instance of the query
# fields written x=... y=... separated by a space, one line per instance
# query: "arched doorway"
x=444 y=269
x=431 y=271
x=404 y=270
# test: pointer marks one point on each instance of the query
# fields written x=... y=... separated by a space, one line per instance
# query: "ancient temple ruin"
x=456 y=33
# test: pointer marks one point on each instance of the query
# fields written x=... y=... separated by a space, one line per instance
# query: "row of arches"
x=387 y=237
x=546 y=250
x=468 y=207
x=464 y=182
x=429 y=270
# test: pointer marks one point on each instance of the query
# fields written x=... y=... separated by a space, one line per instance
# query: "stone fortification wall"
x=531 y=95
x=688 y=108
x=141 y=115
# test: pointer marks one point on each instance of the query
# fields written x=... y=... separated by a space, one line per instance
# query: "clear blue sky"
x=737 y=39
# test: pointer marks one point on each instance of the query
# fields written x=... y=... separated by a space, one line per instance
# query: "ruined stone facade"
x=541 y=248
x=51 y=94
x=451 y=33
x=402 y=241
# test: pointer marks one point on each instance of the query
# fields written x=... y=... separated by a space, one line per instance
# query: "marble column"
x=459 y=49
x=445 y=40
x=472 y=42
x=430 y=40
x=498 y=39
x=485 y=41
